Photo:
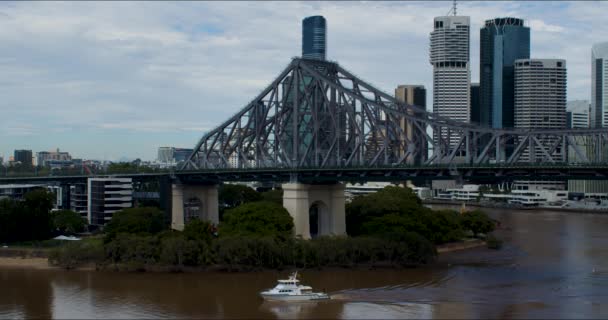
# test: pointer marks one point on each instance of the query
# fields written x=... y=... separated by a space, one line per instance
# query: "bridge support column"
x=177 y=207
x=192 y=201
x=315 y=209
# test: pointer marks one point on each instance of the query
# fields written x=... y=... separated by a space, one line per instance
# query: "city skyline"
x=79 y=79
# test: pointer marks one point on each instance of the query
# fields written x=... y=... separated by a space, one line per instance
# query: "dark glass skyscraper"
x=502 y=41
x=475 y=103
x=314 y=38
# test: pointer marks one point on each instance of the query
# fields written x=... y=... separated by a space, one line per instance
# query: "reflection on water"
x=553 y=265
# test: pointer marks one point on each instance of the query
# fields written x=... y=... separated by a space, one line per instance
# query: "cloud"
x=540 y=25
x=163 y=72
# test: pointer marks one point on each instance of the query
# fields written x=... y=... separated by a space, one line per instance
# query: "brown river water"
x=553 y=265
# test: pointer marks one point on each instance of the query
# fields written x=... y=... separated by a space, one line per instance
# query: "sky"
x=116 y=80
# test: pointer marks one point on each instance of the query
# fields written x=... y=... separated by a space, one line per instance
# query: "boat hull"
x=294 y=297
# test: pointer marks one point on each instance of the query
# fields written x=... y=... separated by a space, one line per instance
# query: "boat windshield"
x=288 y=281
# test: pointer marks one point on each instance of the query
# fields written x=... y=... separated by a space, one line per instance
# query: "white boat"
x=292 y=290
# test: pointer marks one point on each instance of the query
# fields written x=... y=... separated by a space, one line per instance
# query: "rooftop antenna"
x=453 y=9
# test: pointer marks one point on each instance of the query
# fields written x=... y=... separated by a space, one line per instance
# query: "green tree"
x=233 y=195
x=444 y=226
x=199 y=230
x=141 y=221
x=68 y=221
x=134 y=251
x=257 y=219
x=275 y=196
x=390 y=200
x=8 y=220
x=35 y=222
x=477 y=221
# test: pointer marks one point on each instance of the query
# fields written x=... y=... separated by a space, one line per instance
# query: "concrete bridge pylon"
x=315 y=209
x=193 y=201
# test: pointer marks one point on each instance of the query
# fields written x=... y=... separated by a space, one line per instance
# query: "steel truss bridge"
x=317 y=122
x=318 y=117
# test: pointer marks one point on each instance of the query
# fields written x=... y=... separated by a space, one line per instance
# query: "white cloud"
x=540 y=26
x=177 y=68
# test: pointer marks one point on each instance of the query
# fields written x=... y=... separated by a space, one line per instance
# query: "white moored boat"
x=292 y=290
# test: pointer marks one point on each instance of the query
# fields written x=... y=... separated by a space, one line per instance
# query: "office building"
x=24 y=157
x=540 y=93
x=60 y=196
x=475 y=103
x=540 y=97
x=412 y=95
x=599 y=85
x=449 y=56
x=105 y=196
x=577 y=114
x=502 y=41
x=58 y=157
x=314 y=38
x=165 y=154
x=172 y=155
x=181 y=154
x=78 y=199
x=17 y=191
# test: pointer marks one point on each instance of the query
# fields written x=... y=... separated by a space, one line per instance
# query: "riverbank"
x=491 y=205
x=30 y=263
x=38 y=259
x=459 y=246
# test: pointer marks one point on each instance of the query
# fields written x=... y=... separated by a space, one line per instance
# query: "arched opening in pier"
x=317 y=219
x=193 y=209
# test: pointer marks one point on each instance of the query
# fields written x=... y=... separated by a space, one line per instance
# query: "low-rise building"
x=468 y=192
x=17 y=191
x=535 y=198
x=57 y=158
x=353 y=190
x=78 y=199
x=105 y=196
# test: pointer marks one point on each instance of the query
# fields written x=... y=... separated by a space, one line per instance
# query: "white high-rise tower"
x=451 y=74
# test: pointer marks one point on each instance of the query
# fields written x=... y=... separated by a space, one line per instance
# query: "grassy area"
x=51 y=243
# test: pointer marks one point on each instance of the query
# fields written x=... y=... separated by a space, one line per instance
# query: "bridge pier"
x=193 y=201
x=315 y=209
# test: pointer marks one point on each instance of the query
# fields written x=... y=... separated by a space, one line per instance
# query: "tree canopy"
x=275 y=196
x=68 y=221
x=257 y=219
x=233 y=195
x=29 y=219
x=141 y=221
x=390 y=200
x=396 y=210
x=477 y=221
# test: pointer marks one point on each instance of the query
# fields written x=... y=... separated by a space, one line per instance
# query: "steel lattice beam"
x=316 y=114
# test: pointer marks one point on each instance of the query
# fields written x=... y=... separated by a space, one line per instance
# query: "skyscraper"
x=540 y=97
x=414 y=95
x=540 y=93
x=411 y=94
x=475 y=103
x=451 y=74
x=23 y=156
x=577 y=114
x=314 y=38
x=502 y=41
x=599 y=85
